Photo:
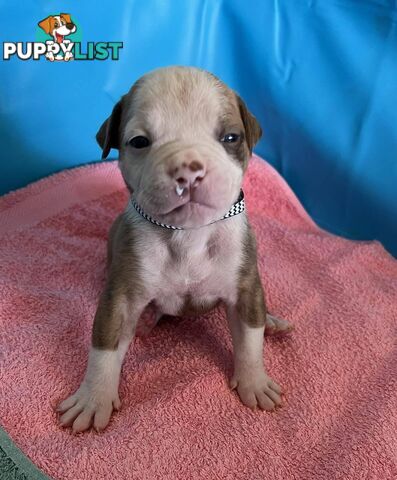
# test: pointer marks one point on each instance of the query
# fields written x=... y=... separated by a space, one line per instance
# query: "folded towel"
x=179 y=420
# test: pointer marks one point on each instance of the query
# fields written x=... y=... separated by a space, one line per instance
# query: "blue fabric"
x=321 y=76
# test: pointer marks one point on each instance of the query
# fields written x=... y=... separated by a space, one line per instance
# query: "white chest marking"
x=202 y=264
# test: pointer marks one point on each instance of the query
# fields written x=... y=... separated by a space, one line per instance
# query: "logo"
x=58 y=38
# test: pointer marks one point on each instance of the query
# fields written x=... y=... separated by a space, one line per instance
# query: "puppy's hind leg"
x=277 y=326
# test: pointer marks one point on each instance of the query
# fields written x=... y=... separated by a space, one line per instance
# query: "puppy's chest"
x=194 y=270
x=193 y=273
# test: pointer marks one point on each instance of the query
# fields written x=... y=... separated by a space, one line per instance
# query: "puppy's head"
x=58 y=26
x=184 y=140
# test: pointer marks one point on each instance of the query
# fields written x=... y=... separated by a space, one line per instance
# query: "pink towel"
x=179 y=420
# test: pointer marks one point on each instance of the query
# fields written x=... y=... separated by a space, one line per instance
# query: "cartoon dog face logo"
x=58 y=27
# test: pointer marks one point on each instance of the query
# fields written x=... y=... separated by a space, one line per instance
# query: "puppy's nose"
x=189 y=174
x=70 y=26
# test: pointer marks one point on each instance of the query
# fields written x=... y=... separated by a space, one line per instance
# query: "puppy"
x=183 y=243
x=58 y=26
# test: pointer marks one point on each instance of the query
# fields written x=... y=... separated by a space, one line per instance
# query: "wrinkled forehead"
x=171 y=101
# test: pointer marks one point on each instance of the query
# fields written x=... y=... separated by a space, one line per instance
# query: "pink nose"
x=189 y=174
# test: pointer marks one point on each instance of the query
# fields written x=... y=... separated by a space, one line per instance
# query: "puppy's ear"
x=47 y=25
x=66 y=17
x=108 y=134
x=253 y=131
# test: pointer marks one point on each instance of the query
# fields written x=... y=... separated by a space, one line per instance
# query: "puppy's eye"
x=139 y=142
x=230 y=138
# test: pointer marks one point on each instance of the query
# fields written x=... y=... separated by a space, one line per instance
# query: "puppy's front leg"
x=247 y=324
x=97 y=396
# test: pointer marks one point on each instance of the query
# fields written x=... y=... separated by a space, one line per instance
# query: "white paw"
x=257 y=390
x=88 y=407
x=68 y=56
x=50 y=56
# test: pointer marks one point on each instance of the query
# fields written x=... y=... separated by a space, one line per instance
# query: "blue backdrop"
x=321 y=76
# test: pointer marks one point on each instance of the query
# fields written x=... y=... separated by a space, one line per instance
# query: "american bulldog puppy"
x=183 y=244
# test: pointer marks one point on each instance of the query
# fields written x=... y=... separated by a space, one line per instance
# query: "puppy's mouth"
x=186 y=199
x=186 y=204
x=188 y=210
x=59 y=37
x=188 y=213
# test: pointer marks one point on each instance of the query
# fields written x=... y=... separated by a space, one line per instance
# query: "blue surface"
x=321 y=76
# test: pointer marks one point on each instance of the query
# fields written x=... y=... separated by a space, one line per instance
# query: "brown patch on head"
x=237 y=119
x=251 y=306
x=253 y=131
x=109 y=133
x=48 y=24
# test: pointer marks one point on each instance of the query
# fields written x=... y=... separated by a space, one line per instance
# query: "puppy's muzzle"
x=184 y=169
x=186 y=184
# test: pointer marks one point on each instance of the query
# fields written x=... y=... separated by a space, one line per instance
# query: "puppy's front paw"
x=257 y=390
x=88 y=407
